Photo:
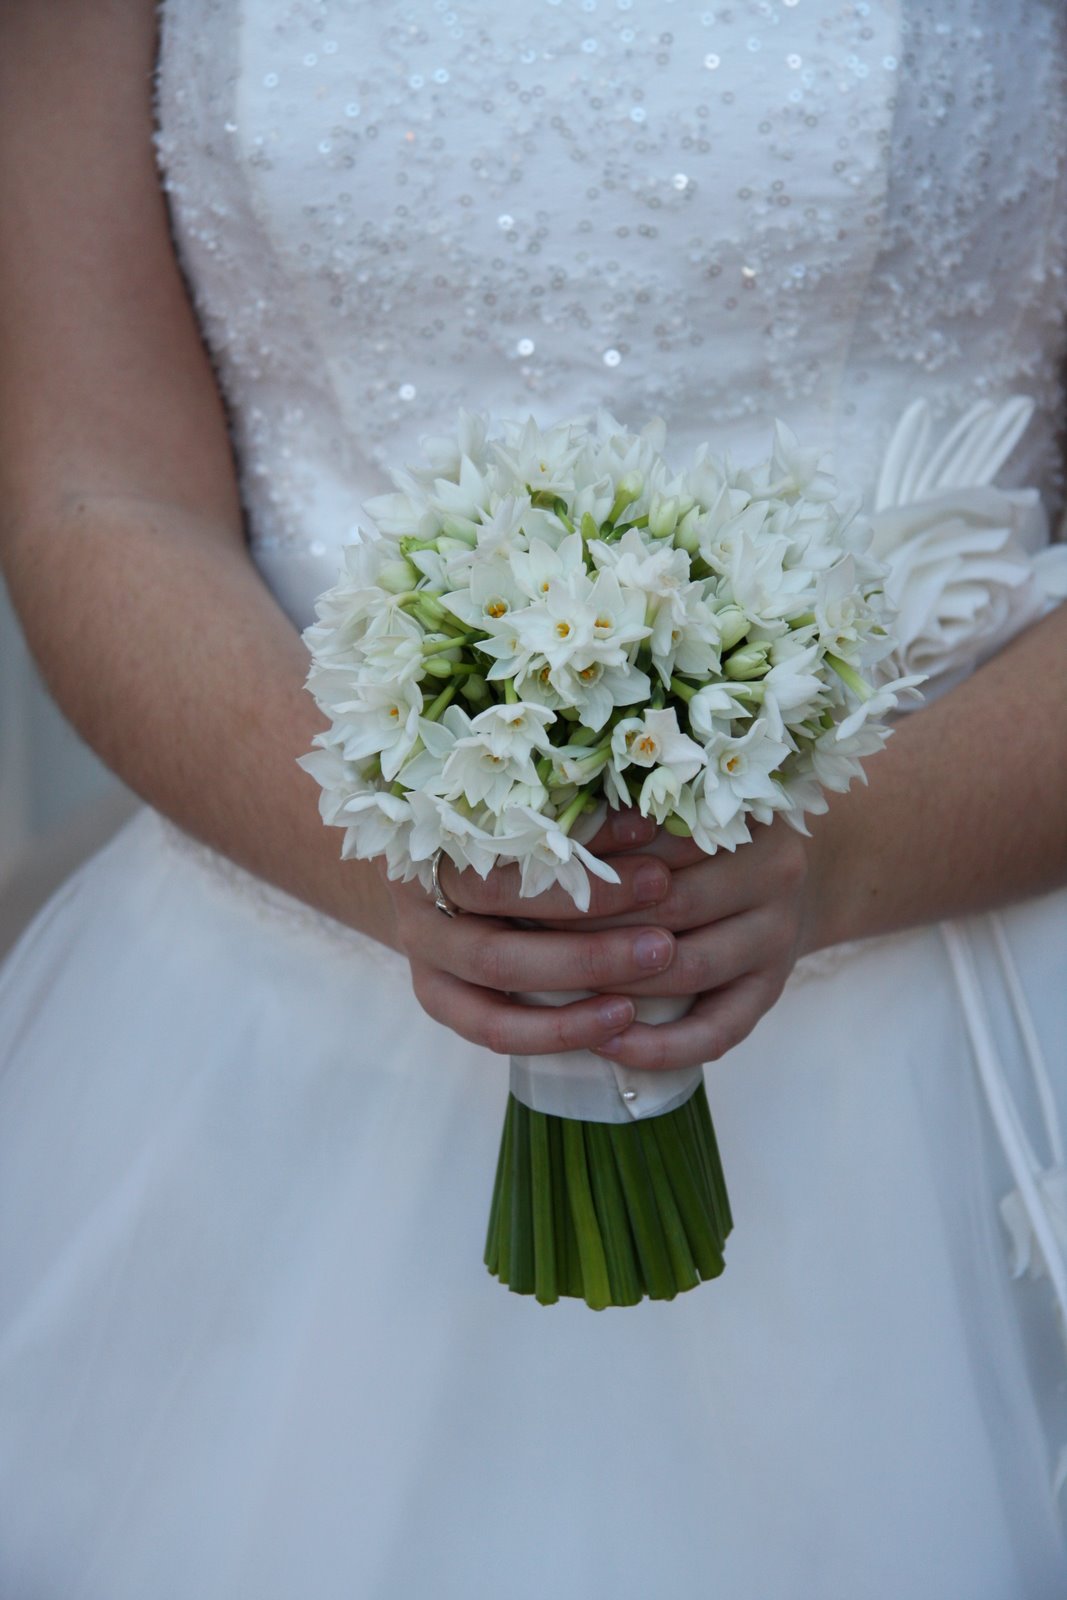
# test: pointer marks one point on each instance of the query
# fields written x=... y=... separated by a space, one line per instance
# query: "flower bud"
x=460 y=529
x=437 y=667
x=659 y=794
x=476 y=689
x=733 y=625
x=686 y=532
x=397 y=576
x=627 y=490
x=429 y=610
x=663 y=516
x=750 y=661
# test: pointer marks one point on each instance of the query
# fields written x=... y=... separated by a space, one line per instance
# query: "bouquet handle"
x=585 y=1087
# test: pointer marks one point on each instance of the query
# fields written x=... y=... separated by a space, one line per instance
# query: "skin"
x=123 y=545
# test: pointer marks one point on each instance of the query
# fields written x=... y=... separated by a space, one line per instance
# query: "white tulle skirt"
x=248 y=1349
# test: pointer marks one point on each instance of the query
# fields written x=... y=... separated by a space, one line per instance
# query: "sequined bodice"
x=813 y=209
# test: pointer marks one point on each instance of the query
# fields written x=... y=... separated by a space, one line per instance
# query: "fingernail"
x=609 y=1048
x=652 y=950
x=634 y=828
x=617 y=1013
x=650 y=884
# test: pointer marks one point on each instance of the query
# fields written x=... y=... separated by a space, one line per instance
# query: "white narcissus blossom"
x=546 y=856
x=655 y=740
x=738 y=775
x=543 y=460
x=514 y=730
x=492 y=593
x=383 y=720
x=660 y=794
x=378 y=825
x=594 y=691
x=440 y=824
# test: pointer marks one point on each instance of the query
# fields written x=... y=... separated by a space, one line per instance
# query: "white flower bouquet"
x=553 y=621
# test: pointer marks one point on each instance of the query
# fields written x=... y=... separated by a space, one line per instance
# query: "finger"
x=770 y=869
x=709 y=957
x=716 y=1023
x=509 y=1027
x=623 y=830
x=644 y=881
x=496 y=955
x=696 y=895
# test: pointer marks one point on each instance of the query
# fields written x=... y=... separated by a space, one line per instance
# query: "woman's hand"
x=464 y=970
x=739 y=921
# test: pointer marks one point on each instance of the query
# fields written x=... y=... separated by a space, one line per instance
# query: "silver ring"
x=440 y=899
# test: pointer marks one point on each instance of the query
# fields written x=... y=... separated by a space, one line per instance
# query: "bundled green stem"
x=608 y=1212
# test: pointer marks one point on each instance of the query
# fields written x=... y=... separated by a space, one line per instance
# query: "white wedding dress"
x=248 y=1348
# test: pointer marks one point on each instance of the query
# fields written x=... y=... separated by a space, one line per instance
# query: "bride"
x=250 y=1095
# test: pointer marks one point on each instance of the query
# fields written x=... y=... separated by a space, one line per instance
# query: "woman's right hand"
x=465 y=970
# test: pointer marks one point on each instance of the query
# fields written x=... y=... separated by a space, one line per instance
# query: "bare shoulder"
x=105 y=388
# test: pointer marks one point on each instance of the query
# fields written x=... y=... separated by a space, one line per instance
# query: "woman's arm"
x=122 y=540
x=966 y=808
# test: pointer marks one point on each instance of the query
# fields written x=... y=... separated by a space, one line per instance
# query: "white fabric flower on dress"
x=963 y=572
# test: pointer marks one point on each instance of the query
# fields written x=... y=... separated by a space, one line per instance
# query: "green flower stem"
x=607 y=1213
x=684 y=691
x=850 y=677
x=523 y=1276
x=690 y=1193
x=568 y=1264
x=511 y=694
x=571 y=814
x=805 y=620
x=648 y=1230
x=452 y=643
x=492 y=1232
x=596 y=1286
x=503 y=1227
x=544 y=1234
x=683 y=1267
x=445 y=698
x=623 y=1272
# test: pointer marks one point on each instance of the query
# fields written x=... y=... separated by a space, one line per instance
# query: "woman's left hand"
x=739 y=922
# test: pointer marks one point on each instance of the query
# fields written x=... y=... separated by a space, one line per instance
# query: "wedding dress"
x=248 y=1347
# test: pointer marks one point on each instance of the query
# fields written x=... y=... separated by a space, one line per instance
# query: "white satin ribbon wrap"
x=579 y=1084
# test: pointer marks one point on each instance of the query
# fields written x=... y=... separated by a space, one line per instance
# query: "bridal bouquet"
x=553 y=621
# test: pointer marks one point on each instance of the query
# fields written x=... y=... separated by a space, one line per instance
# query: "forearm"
x=170 y=657
x=965 y=809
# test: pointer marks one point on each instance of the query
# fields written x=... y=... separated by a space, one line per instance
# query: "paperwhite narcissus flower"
x=439 y=824
x=656 y=740
x=514 y=730
x=378 y=825
x=382 y=721
x=543 y=460
x=547 y=856
x=738 y=775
